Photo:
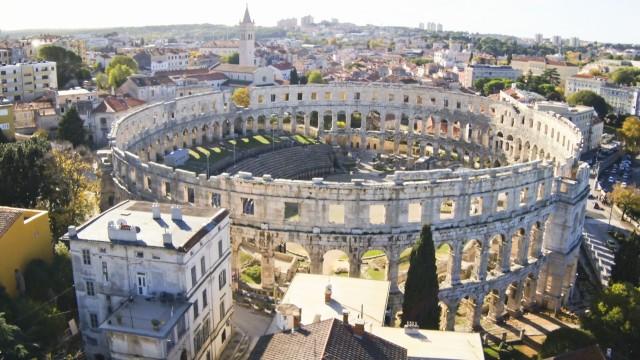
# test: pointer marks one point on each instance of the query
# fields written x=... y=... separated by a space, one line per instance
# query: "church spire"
x=247 y=18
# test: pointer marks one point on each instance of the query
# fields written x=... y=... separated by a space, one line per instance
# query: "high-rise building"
x=153 y=281
x=306 y=21
x=538 y=38
x=439 y=28
x=288 y=24
x=556 y=40
x=421 y=26
x=574 y=42
x=246 y=48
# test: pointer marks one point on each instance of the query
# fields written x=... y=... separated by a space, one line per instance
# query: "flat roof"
x=80 y=91
x=135 y=317
x=307 y=292
x=195 y=223
x=434 y=344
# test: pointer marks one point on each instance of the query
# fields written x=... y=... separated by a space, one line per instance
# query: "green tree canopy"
x=233 y=58
x=631 y=133
x=421 y=288
x=314 y=77
x=68 y=65
x=626 y=197
x=11 y=344
x=589 y=98
x=627 y=262
x=118 y=75
x=23 y=180
x=564 y=340
x=626 y=76
x=294 y=79
x=614 y=320
x=494 y=86
x=71 y=128
x=122 y=60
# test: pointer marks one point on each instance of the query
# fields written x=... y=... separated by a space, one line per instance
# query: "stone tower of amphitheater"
x=510 y=215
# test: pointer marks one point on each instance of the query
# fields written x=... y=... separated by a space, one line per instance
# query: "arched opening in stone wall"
x=335 y=262
x=529 y=295
x=262 y=123
x=356 y=120
x=327 y=118
x=464 y=314
x=428 y=149
x=403 y=267
x=430 y=127
x=374 y=265
x=299 y=122
x=286 y=122
x=373 y=121
x=404 y=122
x=313 y=120
x=494 y=262
x=250 y=125
x=471 y=257
x=457 y=131
x=390 y=121
x=492 y=307
x=444 y=261
x=238 y=124
x=475 y=208
x=301 y=256
x=226 y=128
x=444 y=128
x=513 y=296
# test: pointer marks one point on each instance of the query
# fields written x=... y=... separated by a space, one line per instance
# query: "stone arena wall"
x=525 y=217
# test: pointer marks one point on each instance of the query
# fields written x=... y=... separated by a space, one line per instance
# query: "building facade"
x=623 y=99
x=537 y=66
x=7 y=121
x=153 y=282
x=26 y=81
x=474 y=72
x=24 y=236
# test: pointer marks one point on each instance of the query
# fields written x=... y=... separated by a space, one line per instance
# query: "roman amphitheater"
x=499 y=183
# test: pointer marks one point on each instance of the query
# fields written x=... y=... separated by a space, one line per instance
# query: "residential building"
x=538 y=38
x=537 y=66
x=288 y=24
x=7 y=121
x=66 y=99
x=247 y=43
x=247 y=75
x=623 y=99
x=168 y=60
x=26 y=81
x=574 y=42
x=283 y=70
x=5 y=55
x=306 y=21
x=556 y=40
x=37 y=114
x=472 y=73
x=153 y=281
x=110 y=110
x=24 y=236
x=220 y=47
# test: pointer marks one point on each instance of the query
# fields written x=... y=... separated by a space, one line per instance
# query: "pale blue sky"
x=604 y=20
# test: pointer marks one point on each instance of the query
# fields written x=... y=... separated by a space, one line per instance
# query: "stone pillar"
x=381 y=141
x=392 y=272
x=523 y=254
x=244 y=128
x=514 y=298
x=451 y=317
x=334 y=121
x=267 y=268
x=354 y=265
x=477 y=314
x=436 y=127
x=496 y=306
x=530 y=297
x=484 y=259
x=307 y=124
x=456 y=264
x=232 y=129
x=315 y=258
x=505 y=257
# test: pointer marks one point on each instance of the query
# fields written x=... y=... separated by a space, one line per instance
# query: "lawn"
x=375 y=274
x=372 y=253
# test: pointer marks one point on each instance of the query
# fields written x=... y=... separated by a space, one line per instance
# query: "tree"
x=69 y=65
x=127 y=61
x=118 y=75
x=614 y=320
x=102 y=81
x=564 y=340
x=233 y=58
x=551 y=76
x=10 y=345
x=314 y=77
x=241 y=97
x=71 y=128
x=421 y=288
x=494 y=86
x=631 y=133
x=627 y=262
x=293 y=78
x=626 y=76
x=589 y=98
x=627 y=198
x=22 y=172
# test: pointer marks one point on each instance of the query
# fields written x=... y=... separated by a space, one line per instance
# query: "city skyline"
x=489 y=17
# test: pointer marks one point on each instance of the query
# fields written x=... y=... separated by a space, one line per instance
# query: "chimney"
x=345 y=316
x=176 y=213
x=411 y=327
x=327 y=294
x=72 y=231
x=167 y=239
x=358 y=327
x=296 y=320
x=155 y=210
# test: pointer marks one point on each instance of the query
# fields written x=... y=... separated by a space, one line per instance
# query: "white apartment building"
x=153 y=282
x=26 y=81
x=472 y=73
x=537 y=66
x=169 y=60
x=623 y=99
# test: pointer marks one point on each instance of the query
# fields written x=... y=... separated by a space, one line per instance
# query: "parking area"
x=621 y=172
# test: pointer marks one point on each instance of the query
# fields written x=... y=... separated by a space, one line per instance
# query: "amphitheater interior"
x=344 y=176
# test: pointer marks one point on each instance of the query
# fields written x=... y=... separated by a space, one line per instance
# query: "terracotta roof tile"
x=7 y=217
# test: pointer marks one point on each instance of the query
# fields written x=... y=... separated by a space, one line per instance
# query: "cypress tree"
x=421 y=288
x=71 y=128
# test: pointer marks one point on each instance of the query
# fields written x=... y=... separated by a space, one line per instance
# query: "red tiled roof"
x=114 y=104
x=283 y=66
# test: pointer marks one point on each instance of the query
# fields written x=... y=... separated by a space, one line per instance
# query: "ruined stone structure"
x=513 y=216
